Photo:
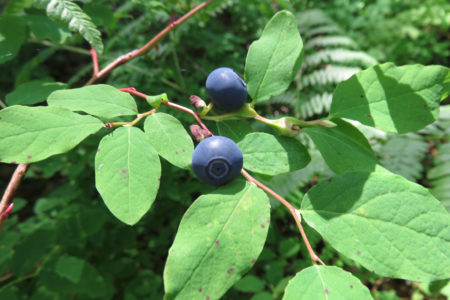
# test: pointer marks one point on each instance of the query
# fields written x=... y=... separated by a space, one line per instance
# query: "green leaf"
x=327 y=283
x=99 y=100
x=127 y=173
x=344 y=147
x=272 y=155
x=219 y=239
x=12 y=35
x=29 y=134
x=234 y=129
x=45 y=28
x=33 y=92
x=71 y=275
x=274 y=60
x=170 y=139
x=392 y=226
x=391 y=98
x=76 y=19
x=249 y=284
x=16 y=6
x=31 y=250
x=155 y=101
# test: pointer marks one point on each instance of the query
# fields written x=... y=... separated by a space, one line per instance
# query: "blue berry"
x=217 y=160
x=227 y=90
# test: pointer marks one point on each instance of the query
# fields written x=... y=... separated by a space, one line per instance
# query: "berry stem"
x=147 y=47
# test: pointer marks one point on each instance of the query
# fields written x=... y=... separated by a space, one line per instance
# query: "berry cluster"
x=217 y=160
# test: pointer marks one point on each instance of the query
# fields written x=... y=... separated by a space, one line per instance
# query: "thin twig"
x=291 y=209
x=147 y=47
x=133 y=91
x=10 y=190
x=94 y=62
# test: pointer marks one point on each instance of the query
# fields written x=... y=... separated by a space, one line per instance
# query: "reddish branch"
x=97 y=74
x=147 y=47
x=6 y=204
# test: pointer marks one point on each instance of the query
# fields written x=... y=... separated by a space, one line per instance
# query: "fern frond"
x=287 y=98
x=403 y=155
x=76 y=19
x=339 y=56
x=311 y=18
x=316 y=105
x=320 y=30
x=329 y=75
x=439 y=175
x=325 y=41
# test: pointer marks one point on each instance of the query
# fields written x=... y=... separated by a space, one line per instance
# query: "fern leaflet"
x=76 y=19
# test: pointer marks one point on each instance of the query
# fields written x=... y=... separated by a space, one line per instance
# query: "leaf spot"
x=358 y=252
x=369 y=116
x=176 y=153
x=253 y=261
x=29 y=157
x=217 y=243
x=362 y=96
x=14 y=163
x=183 y=150
x=253 y=231
x=351 y=286
x=238 y=252
x=159 y=179
x=124 y=171
x=98 y=150
x=207 y=298
x=330 y=179
x=263 y=226
x=200 y=290
x=373 y=271
x=327 y=291
x=230 y=270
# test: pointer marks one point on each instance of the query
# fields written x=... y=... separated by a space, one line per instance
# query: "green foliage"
x=380 y=95
x=221 y=243
x=127 y=173
x=321 y=282
x=32 y=134
x=267 y=154
x=273 y=60
x=378 y=219
x=99 y=100
x=60 y=241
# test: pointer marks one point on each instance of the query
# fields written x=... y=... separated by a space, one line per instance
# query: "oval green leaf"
x=391 y=98
x=274 y=60
x=344 y=147
x=272 y=155
x=33 y=92
x=219 y=239
x=170 y=139
x=392 y=226
x=234 y=129
x=100 y=100
x=325 y=283
x=127 y=173
x=29 y=134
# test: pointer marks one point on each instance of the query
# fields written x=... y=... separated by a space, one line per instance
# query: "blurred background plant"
x=60 y=242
